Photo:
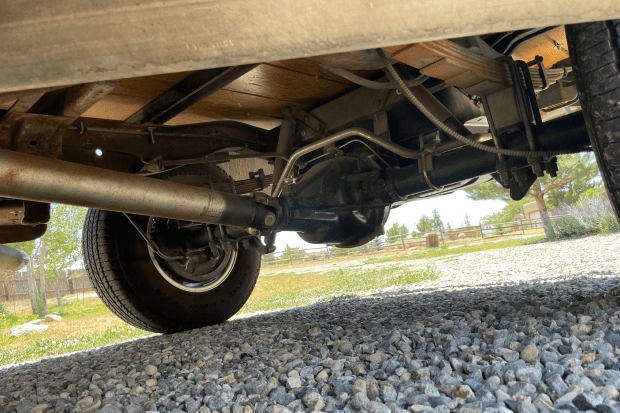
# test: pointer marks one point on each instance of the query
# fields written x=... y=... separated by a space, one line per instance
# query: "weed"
x=591 y=216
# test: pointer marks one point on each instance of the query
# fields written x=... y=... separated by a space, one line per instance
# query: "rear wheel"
x=191 y=281
x=595 y=54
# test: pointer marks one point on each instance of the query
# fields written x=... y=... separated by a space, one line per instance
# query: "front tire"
x=595 y=55
x=126 y=279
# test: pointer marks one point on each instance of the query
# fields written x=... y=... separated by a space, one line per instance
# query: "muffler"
x=34 y=178
x=12 y=259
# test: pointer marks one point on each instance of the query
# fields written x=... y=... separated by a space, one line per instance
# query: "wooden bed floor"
x=258 y=97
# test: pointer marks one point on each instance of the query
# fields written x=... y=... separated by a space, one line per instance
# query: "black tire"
x=595 y=55
x=125 y=278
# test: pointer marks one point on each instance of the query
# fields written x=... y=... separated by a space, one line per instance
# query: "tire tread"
x=595 y=52
x=106 y=273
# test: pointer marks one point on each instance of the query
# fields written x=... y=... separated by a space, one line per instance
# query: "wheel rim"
x=202 y=268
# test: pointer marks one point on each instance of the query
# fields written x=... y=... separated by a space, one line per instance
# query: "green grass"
x=84 y=325
x=90 y=324
x=279 y=291
x=74 y=309
x=44 y=347
x=443 y=250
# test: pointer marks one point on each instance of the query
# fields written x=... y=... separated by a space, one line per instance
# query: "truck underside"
x=249 y=119
x=203 y=168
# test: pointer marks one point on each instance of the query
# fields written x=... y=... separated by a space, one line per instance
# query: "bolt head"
x=270 y=219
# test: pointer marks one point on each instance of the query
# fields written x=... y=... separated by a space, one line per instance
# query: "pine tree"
x=424 y=224
x=466 y=221
x=396 y=230
x=436 y=222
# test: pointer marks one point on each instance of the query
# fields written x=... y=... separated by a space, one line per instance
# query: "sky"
x=451 y=208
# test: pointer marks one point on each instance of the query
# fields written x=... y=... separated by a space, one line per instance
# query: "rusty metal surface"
x=8 y=98
x=26 y=101
x=80 y=98
x=34 y=134
x=11 y=212
x=65 y=42
x=19 y=233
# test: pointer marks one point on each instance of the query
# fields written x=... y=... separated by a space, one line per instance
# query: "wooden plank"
x=242 y=102
x=283 y=84
x=65 y=42
x=455 y=64
x=116 y=107
x=544 y=46
x=263 y=92
x=187 y=93
x=120 y=107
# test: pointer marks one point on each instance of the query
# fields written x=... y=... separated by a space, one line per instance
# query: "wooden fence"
x=16 y=288
x=383 y=244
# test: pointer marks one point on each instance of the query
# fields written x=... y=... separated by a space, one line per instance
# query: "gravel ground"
x=499 y=332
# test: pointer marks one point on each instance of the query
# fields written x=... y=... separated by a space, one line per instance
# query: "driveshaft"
x=34 y=178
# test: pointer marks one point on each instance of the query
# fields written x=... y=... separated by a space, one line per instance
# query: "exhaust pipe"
x=12 y=259
x=34 y=178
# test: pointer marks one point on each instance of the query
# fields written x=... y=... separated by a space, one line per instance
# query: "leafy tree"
x=466 y=221
x=590 y=194
x=576 y=175
x=436 y=222
x=509 y=211
x=57 y=249
x=396 y=230
x=424 y=224
x=63 y=240
x=448 y=226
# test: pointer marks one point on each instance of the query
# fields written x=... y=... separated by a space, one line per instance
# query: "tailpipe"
x=12 y=259
x=34 y=178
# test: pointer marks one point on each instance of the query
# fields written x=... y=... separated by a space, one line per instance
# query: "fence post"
x=481 y=231
x=290 y=259
x=7 y=288
x=402 y=239
x=70 y=282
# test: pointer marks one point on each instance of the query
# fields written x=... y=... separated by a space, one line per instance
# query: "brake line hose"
x=442 y=126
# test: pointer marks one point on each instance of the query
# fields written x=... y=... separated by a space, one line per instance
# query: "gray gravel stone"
x=495 y=327
x=529 y=375
x=359 y=401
